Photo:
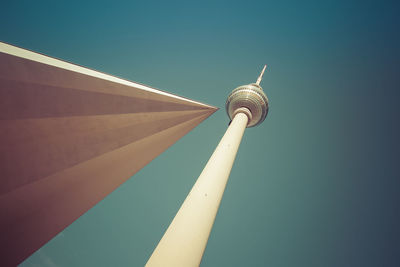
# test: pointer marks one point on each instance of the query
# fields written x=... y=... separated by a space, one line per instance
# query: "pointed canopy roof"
x=69 y=136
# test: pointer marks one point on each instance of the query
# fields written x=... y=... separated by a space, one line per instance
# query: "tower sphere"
x=252 y=97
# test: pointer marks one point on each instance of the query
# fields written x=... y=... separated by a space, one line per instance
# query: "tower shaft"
x=185 y=240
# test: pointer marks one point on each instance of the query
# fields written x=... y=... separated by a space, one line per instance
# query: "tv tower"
x=185 y=240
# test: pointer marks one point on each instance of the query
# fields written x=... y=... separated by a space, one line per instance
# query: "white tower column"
x=185 y=240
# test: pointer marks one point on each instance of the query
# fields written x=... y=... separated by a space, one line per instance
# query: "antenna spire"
x=261 y=75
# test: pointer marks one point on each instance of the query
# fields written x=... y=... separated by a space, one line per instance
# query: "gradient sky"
x=317 y=184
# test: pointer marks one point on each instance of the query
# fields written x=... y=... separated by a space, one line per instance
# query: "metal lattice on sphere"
x=252 y=97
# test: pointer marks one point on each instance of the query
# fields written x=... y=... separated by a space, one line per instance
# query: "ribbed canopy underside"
x=69 y=136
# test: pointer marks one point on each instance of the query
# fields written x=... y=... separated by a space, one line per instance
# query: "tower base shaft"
x=185 y=240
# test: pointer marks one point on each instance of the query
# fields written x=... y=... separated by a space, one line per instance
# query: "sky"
x=317 y=184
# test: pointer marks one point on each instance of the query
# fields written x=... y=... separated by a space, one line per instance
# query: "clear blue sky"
x=315 y=185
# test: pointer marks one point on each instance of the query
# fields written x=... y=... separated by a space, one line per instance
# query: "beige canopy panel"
x=69 y=136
